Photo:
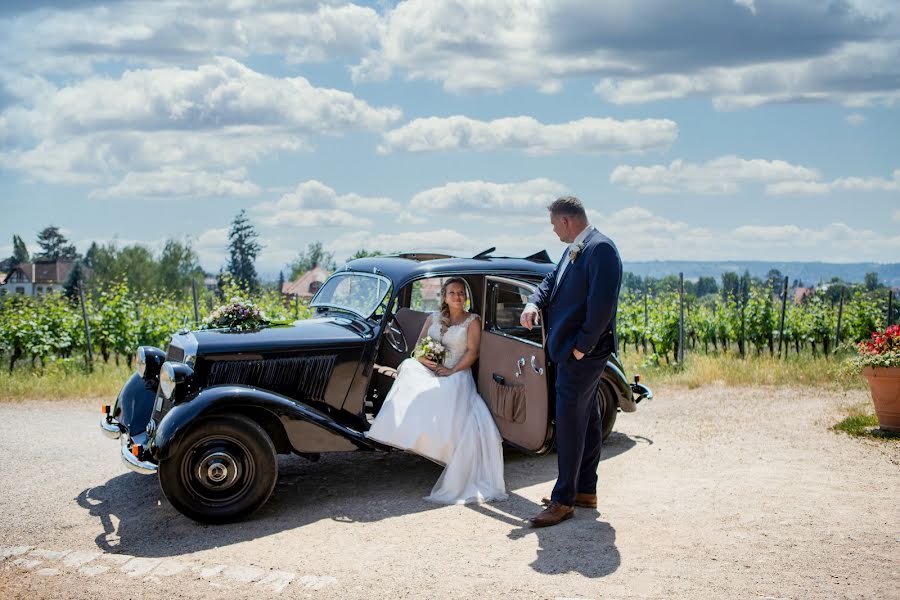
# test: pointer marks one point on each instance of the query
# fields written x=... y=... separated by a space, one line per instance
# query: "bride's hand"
x=442 y=371
x=428 y=363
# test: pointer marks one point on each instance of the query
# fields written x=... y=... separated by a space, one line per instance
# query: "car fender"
x=306 y=429
x=134 y=405
x=616 y=377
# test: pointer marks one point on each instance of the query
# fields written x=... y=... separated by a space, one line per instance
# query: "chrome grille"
x=174 y=353
x=305 y=377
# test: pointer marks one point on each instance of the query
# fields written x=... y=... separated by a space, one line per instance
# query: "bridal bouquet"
x=237 y=315
x=430 y=349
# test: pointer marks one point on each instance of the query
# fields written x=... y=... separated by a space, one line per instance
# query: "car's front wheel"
x=223 y=470
x=608 y=407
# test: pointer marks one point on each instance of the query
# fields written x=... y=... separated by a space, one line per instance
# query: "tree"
x=363 y=253
x=178 y=265
x=314 y=256
x=91 y=255
x=632 y=282
x=731 y=286
x=54 y=245
x=872 y=282
x=280 y=284
x=706 y=286
x=243 y=250
x=20 y=252
x=74 y=280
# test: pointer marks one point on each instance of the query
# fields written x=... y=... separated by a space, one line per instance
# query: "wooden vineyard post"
x=87 y=328
x=784 y=292
x=646 y=321
x=837 y=332
x=890 y=315
x=680 y=319
x=196 y=308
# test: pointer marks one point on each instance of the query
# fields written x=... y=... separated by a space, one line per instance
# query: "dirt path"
x=711 y=493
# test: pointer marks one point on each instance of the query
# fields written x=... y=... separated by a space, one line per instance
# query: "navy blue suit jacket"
x=580 y=312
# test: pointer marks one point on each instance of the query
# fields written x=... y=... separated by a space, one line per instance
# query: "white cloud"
x=440 y=240
x=171 y=182
x=643 y=235
x=855 y=119
x=586 y=135
x=843 y=184
x=722 y=175
x=314 y=204
x=856 y=74
x=748 y=4
x=150 y=123
x=487 y=198
x=181 y=31
x=790 y=51
x=896 y=216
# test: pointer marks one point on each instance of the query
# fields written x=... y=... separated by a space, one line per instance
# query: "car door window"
x=425 y=296
x=506 y=300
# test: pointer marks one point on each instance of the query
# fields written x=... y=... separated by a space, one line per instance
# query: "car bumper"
x=132 y=462
x=111 y=429
x=641 y=392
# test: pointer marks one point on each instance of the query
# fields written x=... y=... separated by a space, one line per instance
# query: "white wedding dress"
x=444 y=419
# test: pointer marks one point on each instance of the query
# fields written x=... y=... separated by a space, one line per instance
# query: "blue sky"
x=732 y=129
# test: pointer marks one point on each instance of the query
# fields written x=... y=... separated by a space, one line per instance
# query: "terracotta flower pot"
x=885 y=385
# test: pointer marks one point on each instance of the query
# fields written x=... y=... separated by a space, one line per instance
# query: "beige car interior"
x=510 y=373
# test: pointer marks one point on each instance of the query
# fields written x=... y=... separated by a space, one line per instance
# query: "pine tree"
x=20 y=252
x=243 y=249
x=75 y=278
x=54 y=245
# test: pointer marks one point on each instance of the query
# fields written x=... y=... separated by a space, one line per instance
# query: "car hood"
x=311 y=333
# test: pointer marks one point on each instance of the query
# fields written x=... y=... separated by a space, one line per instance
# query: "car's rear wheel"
x=608 y=407
x=224 y=469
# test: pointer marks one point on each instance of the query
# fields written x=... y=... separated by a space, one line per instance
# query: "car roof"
x=402 y=269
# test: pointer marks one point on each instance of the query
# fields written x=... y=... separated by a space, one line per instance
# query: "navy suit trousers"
x=579 y=429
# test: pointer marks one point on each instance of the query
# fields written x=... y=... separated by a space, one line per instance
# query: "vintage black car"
x=210 y=413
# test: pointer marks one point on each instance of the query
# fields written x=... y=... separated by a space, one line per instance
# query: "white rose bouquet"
x=429 y=349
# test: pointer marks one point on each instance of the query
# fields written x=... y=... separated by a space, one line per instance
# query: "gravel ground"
x=709 y=493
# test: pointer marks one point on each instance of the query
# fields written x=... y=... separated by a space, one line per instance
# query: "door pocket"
x=507 y=400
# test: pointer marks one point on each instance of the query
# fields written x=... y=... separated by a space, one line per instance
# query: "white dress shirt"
x=565 y=261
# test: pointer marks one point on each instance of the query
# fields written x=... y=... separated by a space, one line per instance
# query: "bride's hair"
x=445 y=308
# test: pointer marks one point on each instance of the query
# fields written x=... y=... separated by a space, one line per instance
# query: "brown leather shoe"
x=553 y=514
x=582 y=500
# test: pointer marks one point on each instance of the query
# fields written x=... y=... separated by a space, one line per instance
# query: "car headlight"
x=167 y=381
x=171 y=375
x=140 y=361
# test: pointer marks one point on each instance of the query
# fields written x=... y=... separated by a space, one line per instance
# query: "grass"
x=728 y=369
x=69 y=379
x=63 y=380
x=860 y=422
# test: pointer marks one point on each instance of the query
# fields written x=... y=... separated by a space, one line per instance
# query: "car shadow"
x=136 y=518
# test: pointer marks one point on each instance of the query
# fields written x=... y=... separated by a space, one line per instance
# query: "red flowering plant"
x=882 y=350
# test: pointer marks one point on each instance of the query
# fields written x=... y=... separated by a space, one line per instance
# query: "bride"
x=434 y=409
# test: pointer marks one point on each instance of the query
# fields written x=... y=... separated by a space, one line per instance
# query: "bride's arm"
x=473 y=346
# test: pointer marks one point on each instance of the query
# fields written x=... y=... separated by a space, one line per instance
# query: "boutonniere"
x=574 y=252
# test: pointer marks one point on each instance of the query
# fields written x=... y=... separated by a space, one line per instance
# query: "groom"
x=579 y=300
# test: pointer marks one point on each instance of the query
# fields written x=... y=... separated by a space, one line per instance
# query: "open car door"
x=512 y=370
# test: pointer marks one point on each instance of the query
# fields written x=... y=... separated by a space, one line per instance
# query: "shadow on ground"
x=348 y=487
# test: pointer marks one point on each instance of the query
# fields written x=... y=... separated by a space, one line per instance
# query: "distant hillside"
x=810 y=273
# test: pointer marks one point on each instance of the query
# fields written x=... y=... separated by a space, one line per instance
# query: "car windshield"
x=360 y=293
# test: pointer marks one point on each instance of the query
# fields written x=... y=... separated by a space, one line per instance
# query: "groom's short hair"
x=568 y=206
